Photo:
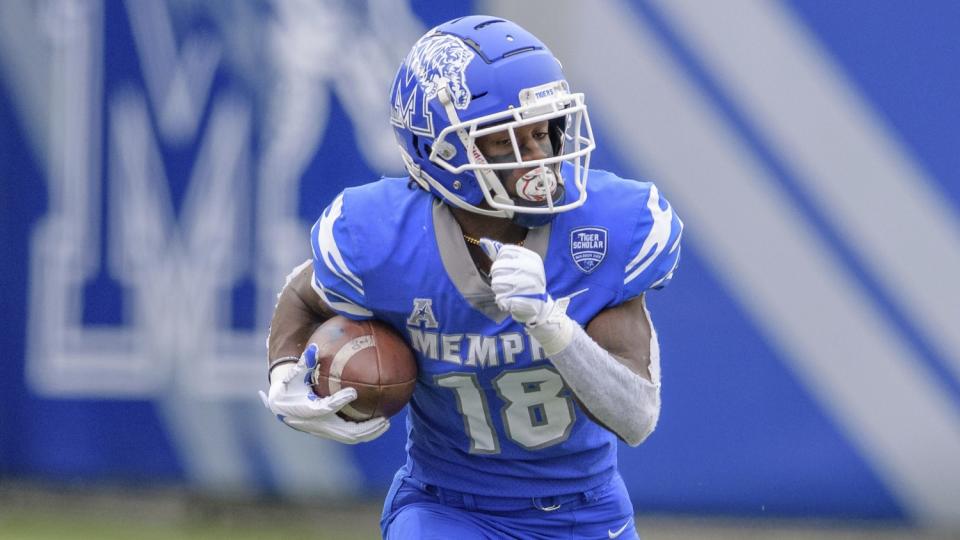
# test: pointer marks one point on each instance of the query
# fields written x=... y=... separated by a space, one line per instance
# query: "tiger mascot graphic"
x=441 y=59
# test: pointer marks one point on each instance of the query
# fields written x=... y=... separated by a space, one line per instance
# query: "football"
x=368 y=356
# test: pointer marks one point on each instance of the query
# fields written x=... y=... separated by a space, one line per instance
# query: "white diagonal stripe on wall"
x=873 y=193
x=765 y=252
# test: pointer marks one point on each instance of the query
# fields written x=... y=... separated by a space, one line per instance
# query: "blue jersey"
x=490 y=415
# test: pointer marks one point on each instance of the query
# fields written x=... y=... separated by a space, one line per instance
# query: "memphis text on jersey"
x=471 y=350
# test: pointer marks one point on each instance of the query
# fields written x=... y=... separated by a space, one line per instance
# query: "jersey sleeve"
x=336 y=275
x=654 y=247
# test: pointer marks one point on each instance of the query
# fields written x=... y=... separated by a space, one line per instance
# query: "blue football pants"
x=414 y=510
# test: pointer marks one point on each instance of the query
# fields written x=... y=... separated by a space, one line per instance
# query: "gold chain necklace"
x=474 y=241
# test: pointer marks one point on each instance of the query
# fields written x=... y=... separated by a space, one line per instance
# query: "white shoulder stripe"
x=339 y=303
x=669 y=274
x=329 y=251
x=676 y=243
x=656 y=239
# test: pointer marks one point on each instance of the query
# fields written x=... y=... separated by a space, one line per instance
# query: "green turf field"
x=53 y=526
x=30 y=512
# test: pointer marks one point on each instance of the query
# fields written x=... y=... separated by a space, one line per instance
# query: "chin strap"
x=428 y=183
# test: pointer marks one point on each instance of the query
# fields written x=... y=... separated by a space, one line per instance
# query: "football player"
x=518 y=284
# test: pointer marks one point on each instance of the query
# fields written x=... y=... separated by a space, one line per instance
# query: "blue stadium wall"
x=160 y=165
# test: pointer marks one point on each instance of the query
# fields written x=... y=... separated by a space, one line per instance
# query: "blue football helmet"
x=479 y=75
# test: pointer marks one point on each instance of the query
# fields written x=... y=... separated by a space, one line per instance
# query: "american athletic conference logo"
x=588 y=247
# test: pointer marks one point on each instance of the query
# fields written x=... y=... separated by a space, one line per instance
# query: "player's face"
x=534 y=143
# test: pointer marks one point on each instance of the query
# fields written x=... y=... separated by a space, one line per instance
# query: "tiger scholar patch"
x=588 y=247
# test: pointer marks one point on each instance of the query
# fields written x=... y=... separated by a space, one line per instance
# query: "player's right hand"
x=518 y=281
x=519 y=284
x=292 y=400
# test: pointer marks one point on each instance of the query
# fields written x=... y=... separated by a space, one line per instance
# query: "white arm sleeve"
x=623 y=401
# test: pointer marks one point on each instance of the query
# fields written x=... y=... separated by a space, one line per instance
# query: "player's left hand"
x=518 y=281
x=293 y=402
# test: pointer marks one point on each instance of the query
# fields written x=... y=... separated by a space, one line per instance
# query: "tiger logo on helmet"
x=439 y=60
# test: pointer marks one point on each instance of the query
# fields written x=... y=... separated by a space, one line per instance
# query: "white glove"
x=519 y=286
x=295 y=404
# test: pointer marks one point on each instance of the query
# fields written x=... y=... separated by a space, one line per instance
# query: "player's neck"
x=480 y=226
x=476 y=226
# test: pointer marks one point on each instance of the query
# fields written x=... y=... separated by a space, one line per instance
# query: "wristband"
x=280 y=362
